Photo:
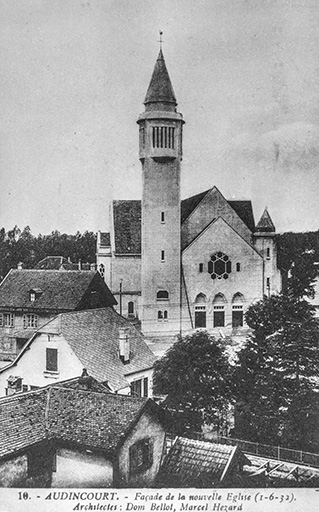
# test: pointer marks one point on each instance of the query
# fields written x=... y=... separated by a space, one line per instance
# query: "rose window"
x=219 y=266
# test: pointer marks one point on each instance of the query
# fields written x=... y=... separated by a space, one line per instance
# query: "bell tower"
x=160 y=152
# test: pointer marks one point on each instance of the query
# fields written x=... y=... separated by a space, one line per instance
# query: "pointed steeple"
x=265 y=224
x=160 y=94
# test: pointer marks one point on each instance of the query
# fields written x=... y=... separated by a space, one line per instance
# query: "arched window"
x=237 y=310
x=160 y=315
x=130 y=308
x=200 y=311
x=102 y=270
x=162 y=295
x=165 y=315
x=219 y=310
x=201 y=297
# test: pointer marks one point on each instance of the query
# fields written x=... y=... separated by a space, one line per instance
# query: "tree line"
x=22 y=246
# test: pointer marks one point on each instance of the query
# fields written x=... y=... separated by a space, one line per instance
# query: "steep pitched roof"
x=188 y=205
x=62 y=290
x=93 y=335
x=22 y=421
x=191 y=463
x=94 y=420
x=160 y=88
x=127 y=218
x=265 y=223
x=244 y=210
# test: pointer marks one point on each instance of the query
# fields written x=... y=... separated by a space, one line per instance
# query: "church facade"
x=182 y=265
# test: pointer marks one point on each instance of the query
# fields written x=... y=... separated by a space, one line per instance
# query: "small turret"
x=265 y=224
x=264 y=241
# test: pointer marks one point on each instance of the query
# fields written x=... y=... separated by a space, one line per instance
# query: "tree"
x=194 y=374
x=17 y=245
x=275 y=377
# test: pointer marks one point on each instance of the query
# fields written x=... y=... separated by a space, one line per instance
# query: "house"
x=192 y=463
x=29 y=298
x=62 y=436
x=62 y=263
x=182 y=265
x=111 y=349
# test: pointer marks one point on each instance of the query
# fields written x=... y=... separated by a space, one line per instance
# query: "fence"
x=263 y=450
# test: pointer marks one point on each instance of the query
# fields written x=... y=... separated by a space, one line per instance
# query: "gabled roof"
x=94 y=420
x=160 y=89
x=22 y=421
x=265 y=223
x=93 y=336
x=188 y=205
x=244 y=210
x=63 y=290
x=191 y=463
x=127 y=217
x=89 y=419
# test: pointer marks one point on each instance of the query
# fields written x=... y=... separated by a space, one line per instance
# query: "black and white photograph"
x=159 y=255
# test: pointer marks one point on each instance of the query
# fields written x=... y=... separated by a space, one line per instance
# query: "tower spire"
x=160 y=93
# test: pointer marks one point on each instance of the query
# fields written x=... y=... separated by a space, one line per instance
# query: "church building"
x=181 y=265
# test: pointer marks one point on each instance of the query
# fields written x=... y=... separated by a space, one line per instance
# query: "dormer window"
x=34 y=294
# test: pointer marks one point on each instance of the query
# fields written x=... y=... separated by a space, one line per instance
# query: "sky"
x=74 y=74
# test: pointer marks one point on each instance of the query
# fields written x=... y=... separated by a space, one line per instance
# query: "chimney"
x=124 y=345
x=20 y=265
x=85 y=381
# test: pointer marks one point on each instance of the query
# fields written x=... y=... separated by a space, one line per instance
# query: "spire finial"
x=160 y=39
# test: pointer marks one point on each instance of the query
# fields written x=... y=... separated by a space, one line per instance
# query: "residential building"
x=111 y=349
x=29 y=298
x=66 y=437
x=181 y=265
x=61 y=263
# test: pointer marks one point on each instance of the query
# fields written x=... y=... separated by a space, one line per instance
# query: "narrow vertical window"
x=142 y=137
x=153 y=137
x=268 y=253
x=162 y=217
x=238 y=267
x=161 y=133
x=159 y=315
x=165 y=315
x=162 y=255
x=157 y=136
x=51 y=359
x=201 y=267
x=145 y=386
x=268 y=282
x=172 y=138
x=130 y=309
x=165 y=136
